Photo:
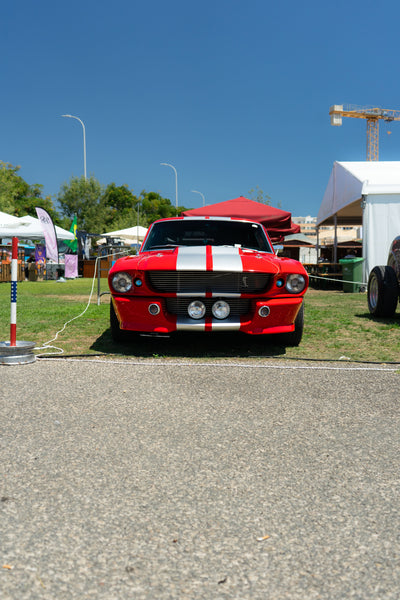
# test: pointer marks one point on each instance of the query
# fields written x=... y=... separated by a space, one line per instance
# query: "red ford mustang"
x=207 y=274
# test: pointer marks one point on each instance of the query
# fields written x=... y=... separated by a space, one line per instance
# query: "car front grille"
x=219 y=282
x=179 y=306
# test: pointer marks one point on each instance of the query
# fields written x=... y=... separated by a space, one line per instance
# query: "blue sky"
x=234 y=94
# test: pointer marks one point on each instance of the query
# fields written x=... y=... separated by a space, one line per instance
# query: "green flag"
x=73 y=244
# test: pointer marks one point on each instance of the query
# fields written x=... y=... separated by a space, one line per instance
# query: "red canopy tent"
x=277 y=222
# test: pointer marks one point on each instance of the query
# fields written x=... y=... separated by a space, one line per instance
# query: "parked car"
x=207 y=275
x=384 y=284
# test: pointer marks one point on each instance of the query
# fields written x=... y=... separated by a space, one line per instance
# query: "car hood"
x=207 y=258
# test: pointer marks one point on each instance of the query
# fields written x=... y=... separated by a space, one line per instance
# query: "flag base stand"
x=20 y=354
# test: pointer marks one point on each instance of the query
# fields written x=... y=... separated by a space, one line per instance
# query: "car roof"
x=202 y=218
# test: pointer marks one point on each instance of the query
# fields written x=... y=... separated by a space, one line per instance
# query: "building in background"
x=345 y=233
x=348 y=238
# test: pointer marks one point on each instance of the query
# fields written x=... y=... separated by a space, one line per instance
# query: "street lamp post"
x=202 y=195
x=84 y=141
x=176 y=182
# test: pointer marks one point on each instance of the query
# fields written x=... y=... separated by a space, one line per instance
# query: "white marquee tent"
x=132 y=235
x=27 y=228
x=367 y=194
x=7 y=220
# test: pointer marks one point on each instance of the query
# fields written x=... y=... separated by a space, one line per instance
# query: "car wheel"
x=294 y=337
x=383 y=291
x=117 y=334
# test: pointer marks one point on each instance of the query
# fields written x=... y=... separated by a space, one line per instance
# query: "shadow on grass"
x=227 y=345
x=395 y=320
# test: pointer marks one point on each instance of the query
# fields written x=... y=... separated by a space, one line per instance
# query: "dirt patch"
x=82 y=298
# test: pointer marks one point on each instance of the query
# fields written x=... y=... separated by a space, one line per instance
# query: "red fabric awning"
x=277 y=222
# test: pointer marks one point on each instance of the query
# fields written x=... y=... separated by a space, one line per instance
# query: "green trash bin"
x=352 y=269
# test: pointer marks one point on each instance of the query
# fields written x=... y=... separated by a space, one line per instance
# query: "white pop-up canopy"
x=367 y=194
x=28 y=228
x=7 y=220
x=131 y=235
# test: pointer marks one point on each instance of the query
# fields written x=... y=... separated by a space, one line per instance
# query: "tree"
x=98 y=208
x=19 y=198
x=156 y=207
x=124 y=209
x=85 y=199
x=121 y=207
x=8 y=187
x=259 y=196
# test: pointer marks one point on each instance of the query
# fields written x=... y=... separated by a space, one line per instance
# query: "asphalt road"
x=166 y=480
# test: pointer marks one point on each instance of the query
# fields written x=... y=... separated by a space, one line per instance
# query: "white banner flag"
x=71 y=266
x=49 y=233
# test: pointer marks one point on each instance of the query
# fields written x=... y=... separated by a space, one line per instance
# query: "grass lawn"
x=336 y=325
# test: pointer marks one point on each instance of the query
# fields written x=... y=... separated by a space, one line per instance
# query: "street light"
x=202 y=195
x=176 y=182
x=84 y=140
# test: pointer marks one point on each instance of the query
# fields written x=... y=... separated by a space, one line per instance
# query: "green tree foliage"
x=121 y=207
x=8 y=188
x=259 y=196
x=98 y=208
x=85 y=199
x=124 y=209
x=19 y=198
x=156 y=207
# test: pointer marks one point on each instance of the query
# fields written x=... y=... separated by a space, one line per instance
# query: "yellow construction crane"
x=373 y=116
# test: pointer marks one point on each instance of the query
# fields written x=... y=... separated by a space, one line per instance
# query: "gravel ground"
x=166 y=480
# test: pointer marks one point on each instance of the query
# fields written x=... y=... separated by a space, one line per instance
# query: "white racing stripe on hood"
x=226 y=258
x=191 y=258
x=194 y=258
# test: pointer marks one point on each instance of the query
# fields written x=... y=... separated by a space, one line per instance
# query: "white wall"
x=381 y=224
x=308 y=255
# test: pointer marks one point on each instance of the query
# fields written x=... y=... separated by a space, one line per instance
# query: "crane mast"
x=372 y=115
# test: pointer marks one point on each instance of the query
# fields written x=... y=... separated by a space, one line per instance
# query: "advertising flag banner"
x=49 y=233
x=73 y=244
x=40 y=254
x=40 y=260
x=71 y=266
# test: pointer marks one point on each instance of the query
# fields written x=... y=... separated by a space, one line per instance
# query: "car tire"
x=117 y=334
x=383 y=291
x=294 y=337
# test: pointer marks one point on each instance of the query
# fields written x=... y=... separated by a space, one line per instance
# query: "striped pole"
x=14 y=278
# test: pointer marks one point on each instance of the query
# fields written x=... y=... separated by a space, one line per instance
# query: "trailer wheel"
x=383 y=291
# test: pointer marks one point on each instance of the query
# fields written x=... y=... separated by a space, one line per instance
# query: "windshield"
x=193 y=232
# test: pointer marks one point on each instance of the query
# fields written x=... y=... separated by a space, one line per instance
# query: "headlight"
x=122 y=282
x=295 y=283
x=196 y=309
x=220 y=309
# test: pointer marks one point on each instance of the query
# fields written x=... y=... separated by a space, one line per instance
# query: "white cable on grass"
x=338 y=280
x=46 y=345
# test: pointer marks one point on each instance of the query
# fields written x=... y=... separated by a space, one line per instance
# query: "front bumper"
x=133 y=315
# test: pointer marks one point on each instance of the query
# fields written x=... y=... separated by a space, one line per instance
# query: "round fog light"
x=154 y=309
x=264 y=311
x=196 y=309
x=220 y=309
